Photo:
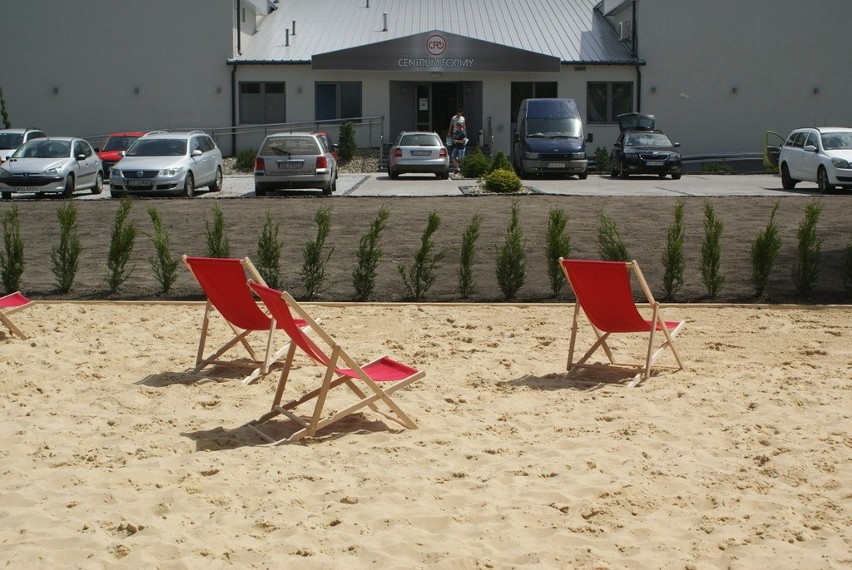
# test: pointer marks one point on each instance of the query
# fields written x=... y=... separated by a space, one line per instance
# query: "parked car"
x=10 y=139
x=641 y=149
x=290 y=161
x=332 y=148
x=162 y=162
x=111 y=151
x=60 y=165
x=822 y=155
x=419 y=152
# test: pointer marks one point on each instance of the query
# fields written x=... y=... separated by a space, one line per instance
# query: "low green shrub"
x=269 y=253
x=245 y=160
x=314 y=260
x=217 y=241
x=610 y=245
x=475 y=164
x=347 y=146
x=500 y=162
x=558 y=245
x=673 y=263
x=511 y=264
x=602 y=159
x=122 y=240
x=502 y=182
x=368 y=255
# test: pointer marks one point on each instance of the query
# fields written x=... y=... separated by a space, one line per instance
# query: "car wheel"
x=822 y=180
x=786 y=182
x=258 y=191
x=217 y=182
x=99 y=184
x=7 y=195
x=68 y=192
x=675 y=176
x=621 y=172
x=189 y=185
x=329 y=189
x=445 y=175
x=583 y=175
x=393 y=174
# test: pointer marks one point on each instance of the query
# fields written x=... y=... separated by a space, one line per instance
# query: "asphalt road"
x=378 y=184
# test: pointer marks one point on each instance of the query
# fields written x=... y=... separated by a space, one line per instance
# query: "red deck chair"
x=224 y=283
x=12 y=303
x=371 y=383
x=603 y=291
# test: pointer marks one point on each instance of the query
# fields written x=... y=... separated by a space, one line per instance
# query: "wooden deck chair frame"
x=368 y=390
x=9 y=305
x=634 y=322
x=258 y=367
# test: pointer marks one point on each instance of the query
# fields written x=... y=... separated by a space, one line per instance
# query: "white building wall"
x=73 y=68
x=774 y=52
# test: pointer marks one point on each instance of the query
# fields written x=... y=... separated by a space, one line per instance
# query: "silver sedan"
x=58 y=165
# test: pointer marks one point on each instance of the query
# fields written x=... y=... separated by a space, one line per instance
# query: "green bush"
x=66 y=255
x=511 y=258
x=368 y=255
x=716 y=168
x=502 y=182
x=418 y=278
x=558 y=245
x=346 y=147
x=121 y=244
x=162 y=262
x=467 y=283
x=806 y=266
x=314 y=262
x=12 y=260
x=764 y=252
x=711 y=252
x=217 y=241
x=500 y=162
x=245 y=160
x=269 y=253
x=602 y=159
x=673 y=255
x=610 y=245
x=475 y=164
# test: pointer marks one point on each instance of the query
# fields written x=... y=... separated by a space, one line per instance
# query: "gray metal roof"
x=571 y=30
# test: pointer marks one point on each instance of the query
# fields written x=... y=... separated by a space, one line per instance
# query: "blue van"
x=549 y=139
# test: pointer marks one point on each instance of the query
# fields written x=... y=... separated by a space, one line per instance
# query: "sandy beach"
x=114 y=456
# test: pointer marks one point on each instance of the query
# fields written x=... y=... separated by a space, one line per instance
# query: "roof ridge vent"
x=384 y=21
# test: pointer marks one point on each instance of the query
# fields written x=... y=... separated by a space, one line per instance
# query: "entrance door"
x=428 y=106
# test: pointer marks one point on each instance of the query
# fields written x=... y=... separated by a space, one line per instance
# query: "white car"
x=822 y=155
x=10 y=139
x=58 y=165
x=168 y=162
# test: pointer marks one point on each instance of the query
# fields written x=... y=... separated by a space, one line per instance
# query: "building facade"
x=716 y=74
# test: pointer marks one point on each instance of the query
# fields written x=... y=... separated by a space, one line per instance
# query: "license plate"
x=28 y=188
x=291 y=165
x=139 y=183
x=655 y=163
x=421 y=153
x=555 y=165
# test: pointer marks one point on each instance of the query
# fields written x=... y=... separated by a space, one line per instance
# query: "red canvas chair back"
x=224 y=283
x=603 y=291
x=285 y=320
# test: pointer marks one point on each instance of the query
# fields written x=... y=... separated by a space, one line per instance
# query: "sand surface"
x=114 y=456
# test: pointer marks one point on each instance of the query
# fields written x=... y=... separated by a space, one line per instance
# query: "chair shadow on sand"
x=589 y=379
x=213 y=373
x=220 y=438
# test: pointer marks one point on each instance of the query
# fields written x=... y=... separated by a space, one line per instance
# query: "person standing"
x=459 y=145
x=457 y=119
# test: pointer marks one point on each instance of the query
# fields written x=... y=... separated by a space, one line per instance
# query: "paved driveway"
x=378 y=184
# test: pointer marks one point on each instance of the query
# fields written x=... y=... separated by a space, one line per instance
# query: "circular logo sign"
x=436 y=44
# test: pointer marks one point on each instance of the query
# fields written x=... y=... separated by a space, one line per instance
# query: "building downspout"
x=635 y=49
x=239 y=29
x=234 y=109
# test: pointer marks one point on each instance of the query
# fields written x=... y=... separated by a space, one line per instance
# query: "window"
x=526 y=90
x=262 y=103
x=338 y=101
x=606 y=101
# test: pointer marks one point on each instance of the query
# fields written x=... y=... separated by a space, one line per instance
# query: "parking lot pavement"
x=379 y=184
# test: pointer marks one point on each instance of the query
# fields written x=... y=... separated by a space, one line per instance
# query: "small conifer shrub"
x=558 y=244
x=673 y=263
x=163 y=263
x=368 y=255
x=12 y=260
x=806 y=266
x=511 y=258
x=711 y=252
x=122 y=241
x=764 y=252
x=66 y=255
x=217 y=241
x=467 y=255
x=420 y=277
x=269 y=253
x=314 y=257
x=610 y=245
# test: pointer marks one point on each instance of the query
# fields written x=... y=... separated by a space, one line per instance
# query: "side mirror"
x=590 y=137
x=676 y=145
x=197 y=152
x=123 y=154
x=81 y=156
x=617 y=145
x=811 y=148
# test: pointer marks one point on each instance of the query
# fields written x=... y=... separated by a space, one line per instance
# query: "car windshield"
x=283 y=146
x=11 y=140
x=118 y=143
x=157 y=147
x=647 y=139
x=420 y=140
x=44 y=149
x=837 y=141
x=554 y=128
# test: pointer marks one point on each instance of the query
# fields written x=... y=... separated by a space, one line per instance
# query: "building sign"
x=435 y=51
